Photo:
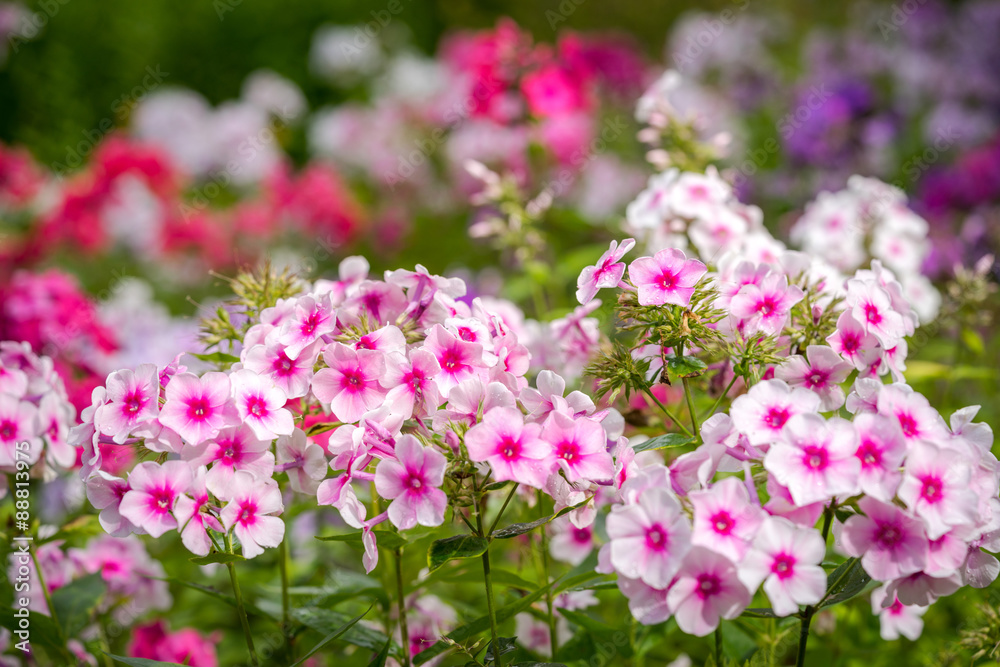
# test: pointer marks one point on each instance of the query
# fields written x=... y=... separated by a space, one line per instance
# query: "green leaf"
x=327 y=622
x=973 y=341
x=507 y=645
x=44 y=632
x=459 y=546
x=665 y=441
x=384 y=538
x=218 y=595
x=381 y=657
x=219 y=358
x=686 y=366
x=478 y=626
x=75 y=601
x=736 y=644
x=333 y=635
x=845 y=582
x=759 y=612
x=141 y=662
x=597 y=629
x=316 y=429
x=496 y=486
x=216 y=557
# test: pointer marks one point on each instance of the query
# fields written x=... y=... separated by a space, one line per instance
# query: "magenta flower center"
x=723 y=523
x=248 y=511
x=451 y=360
x=667 y=280
x=256 y=406
x=567 y=451
x=816 y=379
x=872 y=314
x=776 y=417
x=352 y=381
x=510 y=449
x=657 y=538
x=8 y=430
x=850 y=343
x=908 y=424
x=133 y=403
x=888 y=535
x=309 y=324
x=199 y=409
x=870 y=454
x=815 y=457
x=931 y=490
x=282 y=365
x=708 y=585
x=783 y=565
x=414 y=482
x=767 y=306
x=581 y=535
x=466 y=334
x=162 y=500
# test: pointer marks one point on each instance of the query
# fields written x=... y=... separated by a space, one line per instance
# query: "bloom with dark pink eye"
x=870 y=454
x=931 y=489
x=816 y=458
x=783 y=566
x=722 y=523
x=708 y=586
x=776 y=417
x=657 y=538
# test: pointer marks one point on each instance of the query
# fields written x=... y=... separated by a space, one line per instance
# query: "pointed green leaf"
x=384 y=538
x=759 y=612
x=75 y=602
x=333 y=635
x=216 y=557
x=327 y=622
x=459 y=546
x=686 y=366
x=665 y=441
x=381 y=657
x=845 y=582
x=218 y=358
x=141 y=662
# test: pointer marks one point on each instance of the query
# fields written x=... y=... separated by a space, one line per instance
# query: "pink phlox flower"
x=607 y=273
x=895 y=618
x=935 y=487
x=668 y=277
x=18 y=425
x=579 y=447
x=647 y=604
x=389 y=339
x=376 y=301
x=350 y=384
x=921 y=590
x=131 y=399
x=719 y=229
x=707 y=589
x=234 y=449
x=261 y=404
x=780 y=503
x=762 y=412
x=55 y=414
x=568 y=543
x=917 y=419
x=871 y=305
x=471 y=399
x=513 y=449
x=733 y=277
x=725 y=520
x=194 y=517
x=250 y=513
x=292 y=376
x=303 y=461
x=85 y=436
x=864 y=396
x=821 y=370
x=816 y=459
x=197 y=408
x=459 y=360
x=649 y=538
x=786 y=559
x=314 y=317
x=105 y=492
x=571 y=494
x=412 y=388
x=351 y=272
x=153 y=491
x=379 y=431
x=977 y=434
x=890 y=542
x=412 y=481
x=854 y=343
x=881 y=449
x=766 y=307
x=539 y=402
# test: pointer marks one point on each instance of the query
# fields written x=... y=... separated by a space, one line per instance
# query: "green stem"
x=404 y=633
x=239 y=605
x=286 y=625
x=45 y=592
x=694 y=415
x=502 y=509
x=670 y=415
x=725 y=391
x=718 y=645
x=553 y=638
x=810 y=611
x=488 y=578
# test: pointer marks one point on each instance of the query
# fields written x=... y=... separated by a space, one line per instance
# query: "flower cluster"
x=35 y=415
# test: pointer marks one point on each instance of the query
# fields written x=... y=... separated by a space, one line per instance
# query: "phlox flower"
x=821 y=370
x=781 y=504
x=513 y=449
x=647 y=605
x=607 y=273
x=105 y=492
x=725 y=521
x=303 y=461
x=350 y=384
x=762 y=412
x=579 y=447
x=412 y=482
x=917 y=419
x=197 y=408
x=897 y=619
x=194 y=518
x=249 y=513
x=881 y=449
x=313 y=318
x=766 y=307
x=853 y=342
x=977 y=434
x=410 y=383
x=541 y=401
x=786 y=559
x=153 y=491
x=459 y=360
x=921 y=589
x=131 y=400
x=871 y=305
x=234 y=449
x=695 y=193
x=261 y=405
x=668 y=277
x=54 y=416
x=388 y=339
x=889 y=542
x=18 y=424
x=648 y=539
x=568 y=543
x=935 y=487
x=290 y=375
x=815 y=458
x=706 y=590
